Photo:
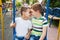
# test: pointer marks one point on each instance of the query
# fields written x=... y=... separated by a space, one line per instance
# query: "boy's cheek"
x=33 y=14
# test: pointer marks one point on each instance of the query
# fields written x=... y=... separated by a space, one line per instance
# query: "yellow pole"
x=2 y=20
x=59 y=29
x=58 y=37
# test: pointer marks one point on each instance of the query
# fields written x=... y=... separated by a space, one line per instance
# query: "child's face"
x=27 y=14
x=35 y=13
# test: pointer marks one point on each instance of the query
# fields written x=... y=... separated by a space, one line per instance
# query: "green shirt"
x=38 y=25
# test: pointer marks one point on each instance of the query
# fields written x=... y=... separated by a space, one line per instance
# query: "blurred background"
x=7 y=13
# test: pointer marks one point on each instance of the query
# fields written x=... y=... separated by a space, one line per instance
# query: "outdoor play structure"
x=2 y=20
x=14 y=11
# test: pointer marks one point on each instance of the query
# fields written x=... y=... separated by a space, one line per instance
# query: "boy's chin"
x=27 y=18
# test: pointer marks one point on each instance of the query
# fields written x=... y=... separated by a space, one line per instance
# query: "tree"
x=54 y=3
x=3 y=1
x=27 y=1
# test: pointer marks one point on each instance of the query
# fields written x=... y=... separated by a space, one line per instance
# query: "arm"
x=12 y=25
x=43 y=33
x=28 y=34
x=29 y=30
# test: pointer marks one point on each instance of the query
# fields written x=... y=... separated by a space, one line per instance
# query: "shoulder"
x=45 y=23
x=17 y=18
x=44 y=18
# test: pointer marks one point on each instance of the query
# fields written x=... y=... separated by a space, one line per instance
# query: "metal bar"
x=47 y=12
x=58 y=31
x=14 y=19
x=2 y=20
x=0 y=5
x=47 y=8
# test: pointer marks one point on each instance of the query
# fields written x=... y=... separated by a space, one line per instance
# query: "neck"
x=38 y=16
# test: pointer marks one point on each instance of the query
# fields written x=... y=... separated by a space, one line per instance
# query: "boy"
x=39 y=23
x=23 y=24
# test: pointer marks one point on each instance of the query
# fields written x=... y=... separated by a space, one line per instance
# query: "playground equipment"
x=47 y=13
x=55 y=13
x=2 y=20
x=58 y=31
x=56 y=18
x=14 y=11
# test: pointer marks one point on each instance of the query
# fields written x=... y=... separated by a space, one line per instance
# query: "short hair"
x=23 y=9
x=38 y=6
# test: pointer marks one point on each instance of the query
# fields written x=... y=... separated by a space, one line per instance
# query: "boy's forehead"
x=32 y=10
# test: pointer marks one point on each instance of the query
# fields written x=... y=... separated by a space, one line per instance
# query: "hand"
x=12 y=25
x=27 y=37
x=40 y=39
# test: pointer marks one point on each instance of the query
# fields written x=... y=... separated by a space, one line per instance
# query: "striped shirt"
x=38 y=25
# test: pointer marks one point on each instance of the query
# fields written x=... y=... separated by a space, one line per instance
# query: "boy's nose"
x=30 y=13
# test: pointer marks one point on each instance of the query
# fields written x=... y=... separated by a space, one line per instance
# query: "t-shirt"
x=38 y=25
x=22 y=26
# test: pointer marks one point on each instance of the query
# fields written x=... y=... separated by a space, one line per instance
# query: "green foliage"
x=27 y=1
x=54 y=3
x=54 y=22
x=57 y=4
x=3 y=1
x=31 y=1
x=18 y=4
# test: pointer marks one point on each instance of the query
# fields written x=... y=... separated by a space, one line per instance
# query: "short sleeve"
x=45 y=23
x=15 y=20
